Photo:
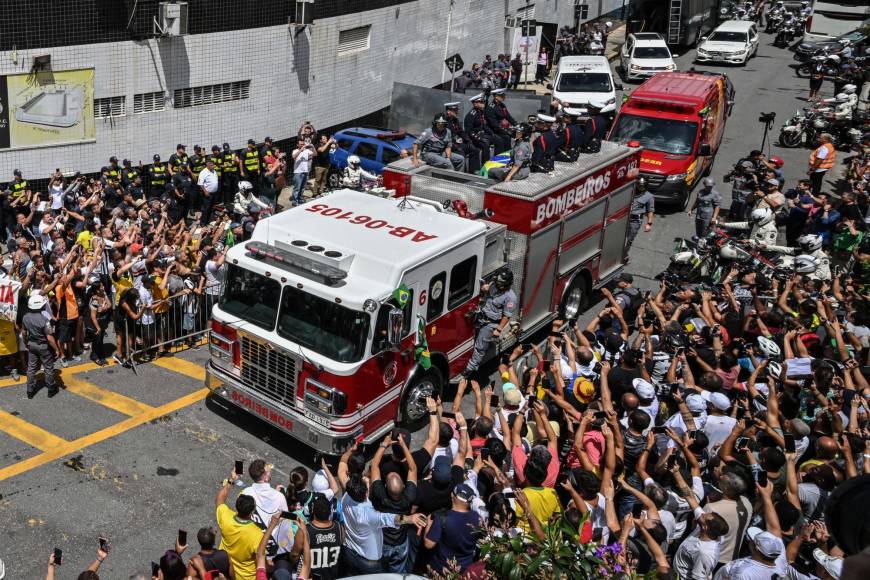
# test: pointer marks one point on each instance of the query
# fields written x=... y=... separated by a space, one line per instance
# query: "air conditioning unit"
x=171 y=19
x=511 y=21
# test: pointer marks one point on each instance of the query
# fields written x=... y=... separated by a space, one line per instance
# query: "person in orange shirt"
x=821 y=160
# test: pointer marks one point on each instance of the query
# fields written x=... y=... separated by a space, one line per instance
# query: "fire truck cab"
x=324 y=312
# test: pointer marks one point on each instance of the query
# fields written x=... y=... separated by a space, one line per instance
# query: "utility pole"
x=447 y=40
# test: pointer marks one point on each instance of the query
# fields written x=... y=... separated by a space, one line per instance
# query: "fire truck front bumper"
x=228 y=391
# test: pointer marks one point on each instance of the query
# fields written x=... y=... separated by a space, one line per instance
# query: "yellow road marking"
x=179 y=365
x=64 y=372
x=29 y=433
x=63 y=447
x=106 y=398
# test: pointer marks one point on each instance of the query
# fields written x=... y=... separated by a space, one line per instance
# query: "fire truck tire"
x=576 y=298
x=412 y=408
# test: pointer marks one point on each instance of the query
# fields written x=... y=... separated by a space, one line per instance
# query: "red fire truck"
x=322 y=312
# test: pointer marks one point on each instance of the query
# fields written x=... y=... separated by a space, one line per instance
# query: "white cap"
x=37 y=301
x=696 y=403
x=320 y=483
x=574 y=112
x=769 y=545
x=546 y=118
x=718 y=400
x=643 y=388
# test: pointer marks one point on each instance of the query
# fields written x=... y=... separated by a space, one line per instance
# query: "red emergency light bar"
x=400 y=134
x=657 y=104
x=307 y=267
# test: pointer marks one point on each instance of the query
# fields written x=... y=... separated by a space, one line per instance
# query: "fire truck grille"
x=269 y=371
x=653 y=180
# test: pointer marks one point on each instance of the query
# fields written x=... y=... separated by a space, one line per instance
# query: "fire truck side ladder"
x=674 y=15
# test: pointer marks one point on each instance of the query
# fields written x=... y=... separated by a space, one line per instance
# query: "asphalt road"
x=136 y=457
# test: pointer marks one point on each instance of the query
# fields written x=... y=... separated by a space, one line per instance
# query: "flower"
x=615 y=548
x=600 y=552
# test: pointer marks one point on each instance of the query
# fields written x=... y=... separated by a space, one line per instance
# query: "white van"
x=735 y=41
x=585 y=80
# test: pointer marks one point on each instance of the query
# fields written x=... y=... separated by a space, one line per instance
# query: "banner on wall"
x=46 y=108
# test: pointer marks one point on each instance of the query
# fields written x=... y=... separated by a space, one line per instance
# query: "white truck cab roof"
x=350 y=246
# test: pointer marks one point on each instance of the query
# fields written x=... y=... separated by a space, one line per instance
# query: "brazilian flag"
x=421 y=352
x=402 y=295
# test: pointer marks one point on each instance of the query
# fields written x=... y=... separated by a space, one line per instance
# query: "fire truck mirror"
x=394 y=329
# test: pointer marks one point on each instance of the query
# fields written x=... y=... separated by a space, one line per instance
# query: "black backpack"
x=635 y=300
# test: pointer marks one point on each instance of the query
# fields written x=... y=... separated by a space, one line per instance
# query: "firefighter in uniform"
x=19 y=185
x=434 y=146
x=573 y=136
x=249 y=165
x=500 y=120
x=518 y=166
x=643 y=207
x=196 y=162
x=178 y=161
x=595 y=129
x=545 y=145
x=478 y=132
x=157 y=177
x=229 y=174
x=498 y=305
x=461 y=143
x=41 y=345
x=128 y=173
x=706 y=206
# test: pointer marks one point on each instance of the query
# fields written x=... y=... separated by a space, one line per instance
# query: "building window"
x=110 y=107
x=354 y=40
x=210 y=94
x=149 y=102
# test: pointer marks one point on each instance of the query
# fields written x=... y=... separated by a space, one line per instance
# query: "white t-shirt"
x=212 y=278
x=56 y=192
x=208 y=180
x=696 y=558
x=302 y=163
x=749 y=569
x=718 y=428
x=45 y=235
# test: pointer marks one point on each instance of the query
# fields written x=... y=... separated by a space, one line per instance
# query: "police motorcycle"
x=788 y=30
x=832 y=61
x=775 y=17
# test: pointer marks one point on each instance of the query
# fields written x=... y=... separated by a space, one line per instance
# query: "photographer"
x=302 y=158
x=744 y=183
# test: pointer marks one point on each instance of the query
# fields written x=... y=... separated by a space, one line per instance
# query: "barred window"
x=110 y=107
x=210 y=94
x=354 y=40
x=149 y=102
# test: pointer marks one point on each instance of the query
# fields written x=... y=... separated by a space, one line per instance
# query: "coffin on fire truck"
x=310 y=335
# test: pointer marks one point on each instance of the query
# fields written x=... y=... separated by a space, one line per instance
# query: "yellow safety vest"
x=252 y=161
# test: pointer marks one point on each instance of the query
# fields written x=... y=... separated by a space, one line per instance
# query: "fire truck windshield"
x=323 y=326
x=665 y=135
x=251 y=297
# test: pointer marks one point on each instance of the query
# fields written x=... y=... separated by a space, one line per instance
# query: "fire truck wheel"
x=575 y=300
x=413 y=413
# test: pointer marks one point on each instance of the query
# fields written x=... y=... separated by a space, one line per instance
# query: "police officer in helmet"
x=707 y=206
x=521 y=155
x=498 y=306
x=461 y=143
x=643 y=208
x=434 y=146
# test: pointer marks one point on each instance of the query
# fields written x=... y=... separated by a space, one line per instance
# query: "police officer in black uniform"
x=158 y=177
x=250 y=164
x=19 y=185
x=178 y=161
x=476 y=128
x=128 y=173
x=135 y=190
x=500 y=120
x=572 y=136
x=196 y=162
x=114 y=170
x=229 y=174
x=461 y=143
x=545 y=145
x=268 y=149
x=218 y=161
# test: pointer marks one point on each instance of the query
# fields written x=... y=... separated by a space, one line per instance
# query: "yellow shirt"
x=159 y=294
x=8 y=338
x=240 y=538
x=544 y=503
x=84 y=239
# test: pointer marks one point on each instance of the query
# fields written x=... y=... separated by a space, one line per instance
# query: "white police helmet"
x=245 y=186
x=805 y=264
x=37 y=301
x=810 y=242
x=353 y=160
x=768 y=348
x=761 y=216
x=842 y=98
x=849 y=89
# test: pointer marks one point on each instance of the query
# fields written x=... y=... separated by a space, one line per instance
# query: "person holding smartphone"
x=240 y=535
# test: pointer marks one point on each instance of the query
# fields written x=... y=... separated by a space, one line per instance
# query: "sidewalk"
x=614 y=43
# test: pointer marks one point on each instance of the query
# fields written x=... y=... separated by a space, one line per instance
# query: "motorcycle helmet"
x=525 y=130
x=761 y=216
x=37 y=301
x=768 y=348
x=849 y=89
x=728 y=252
x=439 y=120
x=245 y=186
x=774 y=369
x=834 y=58
x=820 y=124
x=353 y=160
x=805 y=264
x=810 y=243
x=777 y=161
x=842 y=98
x=504 y=279
x=641 y=184
x=845 y=42
x=709 y=182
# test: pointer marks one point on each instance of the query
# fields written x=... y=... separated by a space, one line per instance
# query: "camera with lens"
x=767 y=118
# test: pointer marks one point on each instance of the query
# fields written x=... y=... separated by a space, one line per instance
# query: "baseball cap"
x=180 y=146
x=512 y=397
x=320 y=483
x=464 y=492
x=441 y=471
x=773 y=181
x=695 y=403
x=831 y=564
x=643 y=388
x=718 y=400
x=766 y=543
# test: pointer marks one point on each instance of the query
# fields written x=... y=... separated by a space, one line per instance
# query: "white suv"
x=586 y=80
x=645 y=54
x=735 y=41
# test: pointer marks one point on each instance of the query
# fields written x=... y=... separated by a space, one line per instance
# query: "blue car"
x=374 y=147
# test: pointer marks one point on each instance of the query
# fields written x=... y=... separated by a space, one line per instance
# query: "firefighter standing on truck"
x=499 y=304
x=643 y=207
